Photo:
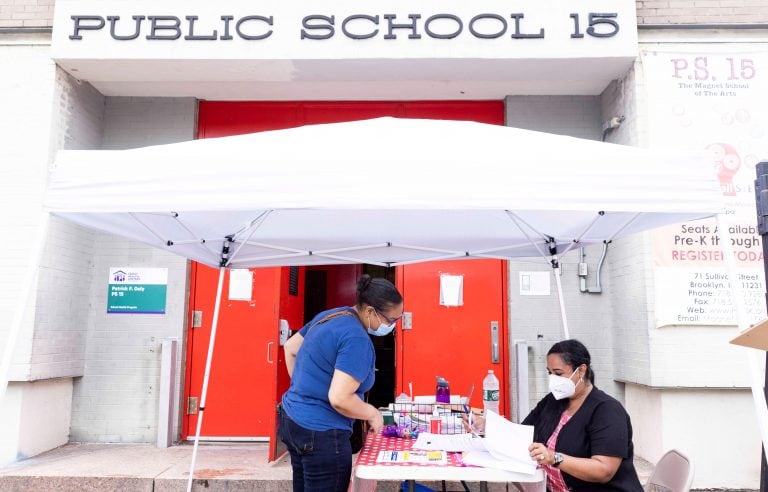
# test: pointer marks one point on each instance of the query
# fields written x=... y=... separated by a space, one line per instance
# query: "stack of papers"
x=505 y=445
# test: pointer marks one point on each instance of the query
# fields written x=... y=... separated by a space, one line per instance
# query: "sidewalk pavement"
x=146 y=468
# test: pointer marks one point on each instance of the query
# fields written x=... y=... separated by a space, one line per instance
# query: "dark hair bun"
x=363 y=283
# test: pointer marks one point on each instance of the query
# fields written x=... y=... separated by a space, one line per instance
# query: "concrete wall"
x=696 y=423
x=116 y=399
x=35 y=418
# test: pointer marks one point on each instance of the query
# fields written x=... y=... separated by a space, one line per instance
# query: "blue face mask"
x=383 y=329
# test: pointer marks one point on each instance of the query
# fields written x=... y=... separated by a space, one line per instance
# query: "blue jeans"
x=321 y=460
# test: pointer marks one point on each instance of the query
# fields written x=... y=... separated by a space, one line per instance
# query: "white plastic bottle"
x=490 y=393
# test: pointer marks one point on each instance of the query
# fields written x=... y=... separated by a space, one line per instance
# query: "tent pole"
x=204 y=394
x=737 y=295
x=558 y=273
x=25 y=296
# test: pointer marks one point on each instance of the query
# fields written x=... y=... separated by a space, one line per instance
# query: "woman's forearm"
x=353 y=407
x=596 y=470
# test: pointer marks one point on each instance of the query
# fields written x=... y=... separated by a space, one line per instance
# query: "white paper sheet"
x=451 y=290
x=507 y=440
x=485 y=459
x=240 y=285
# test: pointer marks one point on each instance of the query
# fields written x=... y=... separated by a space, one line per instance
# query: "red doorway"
x=256 y=390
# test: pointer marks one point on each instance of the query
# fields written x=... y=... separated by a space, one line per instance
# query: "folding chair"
x=673 y=473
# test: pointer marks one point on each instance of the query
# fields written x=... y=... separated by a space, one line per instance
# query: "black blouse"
x=600 y=427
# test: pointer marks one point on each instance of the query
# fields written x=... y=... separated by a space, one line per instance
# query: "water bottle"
x=490 y=393
x=442 y=392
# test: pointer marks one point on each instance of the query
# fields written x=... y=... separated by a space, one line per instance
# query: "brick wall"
x=536 y=319
x=27 y=92
x=63 y=302
x=116 y=400
x=631 y=275
x=26 y=13
x=702 y=12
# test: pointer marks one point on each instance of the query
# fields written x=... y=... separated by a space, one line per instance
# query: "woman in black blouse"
x=581 y=435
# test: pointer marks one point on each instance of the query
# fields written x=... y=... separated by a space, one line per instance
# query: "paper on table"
x=508 y=442
x=430 y=457
x=449 y=442
x=485 y=459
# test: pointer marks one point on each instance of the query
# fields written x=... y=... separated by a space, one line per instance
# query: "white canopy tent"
x=384 y=191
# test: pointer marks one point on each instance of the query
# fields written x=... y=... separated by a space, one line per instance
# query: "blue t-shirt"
x=339 y=343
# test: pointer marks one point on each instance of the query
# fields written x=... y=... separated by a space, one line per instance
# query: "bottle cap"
x=441 y=381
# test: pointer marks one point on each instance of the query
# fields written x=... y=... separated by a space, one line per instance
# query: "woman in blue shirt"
x=331 y=362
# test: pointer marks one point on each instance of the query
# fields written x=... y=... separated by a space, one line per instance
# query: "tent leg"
x=737 y=295
x=201 y=412
x=25 y=295
x=563 y=316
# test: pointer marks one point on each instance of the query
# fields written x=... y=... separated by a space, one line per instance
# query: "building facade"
x=76 y=77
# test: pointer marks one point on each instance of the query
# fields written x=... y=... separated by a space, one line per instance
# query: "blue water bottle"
x=442 y=392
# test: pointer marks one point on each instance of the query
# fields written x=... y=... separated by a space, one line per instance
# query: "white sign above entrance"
x=243 y=41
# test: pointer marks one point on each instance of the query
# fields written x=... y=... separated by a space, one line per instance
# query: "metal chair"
x=673 y=473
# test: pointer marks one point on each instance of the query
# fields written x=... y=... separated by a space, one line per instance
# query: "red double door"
x=247 y=377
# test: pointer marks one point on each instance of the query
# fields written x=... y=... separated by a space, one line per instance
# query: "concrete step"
x=143 y=467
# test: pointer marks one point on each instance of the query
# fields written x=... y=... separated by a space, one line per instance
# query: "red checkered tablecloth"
x=375 y=443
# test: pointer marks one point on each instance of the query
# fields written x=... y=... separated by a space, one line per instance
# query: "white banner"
x=710 y=101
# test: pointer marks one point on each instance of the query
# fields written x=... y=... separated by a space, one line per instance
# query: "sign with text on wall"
x=709 y=101
x=137 y=290
x=241 y=30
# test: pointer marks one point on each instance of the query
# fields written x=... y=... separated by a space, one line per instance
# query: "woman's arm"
x=608 y=436
x=344 y=400
x=597 y=469
x=292 y=347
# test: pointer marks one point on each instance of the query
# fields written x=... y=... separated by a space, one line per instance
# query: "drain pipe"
x=584 y=271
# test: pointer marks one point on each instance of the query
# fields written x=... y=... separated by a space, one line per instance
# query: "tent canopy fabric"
x=383 y=191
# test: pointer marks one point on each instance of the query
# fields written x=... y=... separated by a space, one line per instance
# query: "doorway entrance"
x=248 y=373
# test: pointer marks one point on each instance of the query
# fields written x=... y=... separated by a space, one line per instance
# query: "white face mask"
x=383 y=329
x=562 y=387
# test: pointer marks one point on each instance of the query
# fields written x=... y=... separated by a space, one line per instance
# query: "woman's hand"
x=541 y=454
x=376 y=422
x=477 y=426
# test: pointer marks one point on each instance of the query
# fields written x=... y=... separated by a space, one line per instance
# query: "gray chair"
x=673 y=473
